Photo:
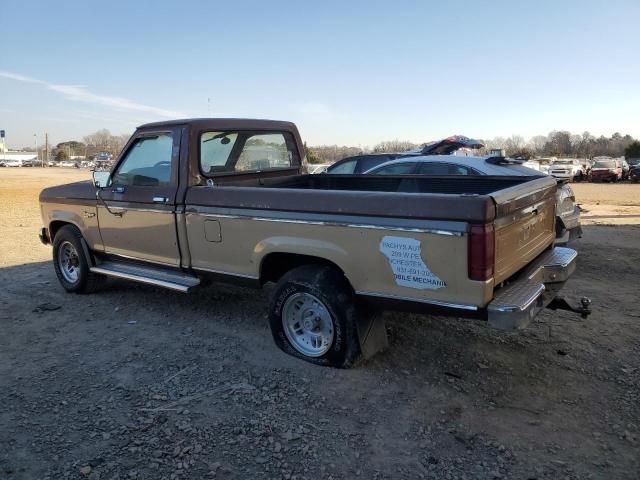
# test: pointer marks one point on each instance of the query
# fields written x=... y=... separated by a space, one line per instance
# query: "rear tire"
x=71 y=264
x=313 y=316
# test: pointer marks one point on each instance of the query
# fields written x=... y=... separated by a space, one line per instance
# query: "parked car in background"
x=317 y=168
x=567 y=212
x=87 y=164
x=586 y=166
x=606 y=170
x=626 y=168
x=361 y=163
x=634 y=172
x=68 y=164
x=567 y=169
x=536 y=165
x=12 y=162
x=544 y=162
x=103 y=157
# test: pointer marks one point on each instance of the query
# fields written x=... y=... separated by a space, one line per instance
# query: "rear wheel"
x=71 y=264
x=313 y=316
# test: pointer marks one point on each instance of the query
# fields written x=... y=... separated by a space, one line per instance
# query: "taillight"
x=481 y=252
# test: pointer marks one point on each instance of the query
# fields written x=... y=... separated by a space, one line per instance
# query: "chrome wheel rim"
x=307 y=324
x=69 y=262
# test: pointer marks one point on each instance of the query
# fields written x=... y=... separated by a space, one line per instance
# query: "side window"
x=244 y=151
x=439 y=168
x=344 y=168
x=367 y=163
x=404 y=168
x=147 y=164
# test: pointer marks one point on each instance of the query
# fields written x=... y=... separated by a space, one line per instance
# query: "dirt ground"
x=136 y=382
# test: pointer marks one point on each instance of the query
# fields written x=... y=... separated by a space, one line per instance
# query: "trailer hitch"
x=561 y=303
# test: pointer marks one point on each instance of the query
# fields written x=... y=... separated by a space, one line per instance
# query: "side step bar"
x=149 y=275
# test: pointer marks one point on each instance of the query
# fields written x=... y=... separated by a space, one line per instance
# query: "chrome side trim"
x=331 y=224
x=135 y=209
x=143 y=260
x=141 y=279
x=459 y=306
x=222 y=272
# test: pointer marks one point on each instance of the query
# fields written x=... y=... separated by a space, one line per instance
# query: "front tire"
x=313 y=316
x=71 y=264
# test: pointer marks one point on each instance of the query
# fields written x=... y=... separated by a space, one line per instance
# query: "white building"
x=9 y=155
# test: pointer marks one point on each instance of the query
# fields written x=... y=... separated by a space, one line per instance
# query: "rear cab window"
x=246 y=151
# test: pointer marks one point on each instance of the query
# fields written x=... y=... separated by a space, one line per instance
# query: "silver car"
x=567 y=212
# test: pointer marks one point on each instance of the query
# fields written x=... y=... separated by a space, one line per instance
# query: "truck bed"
x=478 y=199
x=452 y=185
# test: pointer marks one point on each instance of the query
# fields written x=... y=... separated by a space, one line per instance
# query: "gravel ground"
x=136 y=382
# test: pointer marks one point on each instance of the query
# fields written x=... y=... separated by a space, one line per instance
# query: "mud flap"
x=372 y=333
x=87 y=253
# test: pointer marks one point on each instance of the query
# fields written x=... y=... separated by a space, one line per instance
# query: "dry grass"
x=20 y=210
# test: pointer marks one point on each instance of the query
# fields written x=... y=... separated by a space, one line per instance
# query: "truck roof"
x=225 y=123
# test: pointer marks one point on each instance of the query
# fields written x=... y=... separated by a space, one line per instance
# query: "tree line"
x=558 y=143
x=100 y=141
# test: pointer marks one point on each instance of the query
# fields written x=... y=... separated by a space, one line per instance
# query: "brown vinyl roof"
x=223 y=123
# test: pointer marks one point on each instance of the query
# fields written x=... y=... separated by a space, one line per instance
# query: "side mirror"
x=101 y=179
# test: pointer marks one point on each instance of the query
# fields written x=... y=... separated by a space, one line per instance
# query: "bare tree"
x=394 y=146
x=104 y=141
x=537 y=143
x=515 y=143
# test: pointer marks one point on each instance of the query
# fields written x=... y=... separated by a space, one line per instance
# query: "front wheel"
x=313 y=316
x=71 y=264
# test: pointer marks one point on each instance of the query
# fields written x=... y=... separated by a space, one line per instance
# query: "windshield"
x=563 y=162
x=604 y=164
x=634 y=161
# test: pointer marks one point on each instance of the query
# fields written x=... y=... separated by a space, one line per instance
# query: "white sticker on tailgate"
x=405 y=259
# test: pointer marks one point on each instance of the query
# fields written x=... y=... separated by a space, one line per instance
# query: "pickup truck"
x=190 y=201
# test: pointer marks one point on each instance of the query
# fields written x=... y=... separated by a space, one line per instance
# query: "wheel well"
x=275 y=265
x=55 y=226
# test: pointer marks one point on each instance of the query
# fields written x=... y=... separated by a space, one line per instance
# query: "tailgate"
x=524 y=225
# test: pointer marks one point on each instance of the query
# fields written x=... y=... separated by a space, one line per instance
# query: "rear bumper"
x=43 y=235
x=604 y=177
x=515 y=305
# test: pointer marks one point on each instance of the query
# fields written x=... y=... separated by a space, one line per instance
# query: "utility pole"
x=45 y=160
x=35 y=144
x=4 y=145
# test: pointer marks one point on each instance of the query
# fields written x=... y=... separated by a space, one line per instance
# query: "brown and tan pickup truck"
x=228 y=199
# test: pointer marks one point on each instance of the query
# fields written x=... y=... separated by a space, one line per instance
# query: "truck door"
x=136 y=212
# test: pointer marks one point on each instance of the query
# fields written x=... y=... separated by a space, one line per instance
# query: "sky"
x=346 y=72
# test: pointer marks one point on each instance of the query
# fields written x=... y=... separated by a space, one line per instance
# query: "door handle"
x=160 y=199
x=118 y=190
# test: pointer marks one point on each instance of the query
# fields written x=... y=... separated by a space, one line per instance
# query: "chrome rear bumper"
x=515 y=305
